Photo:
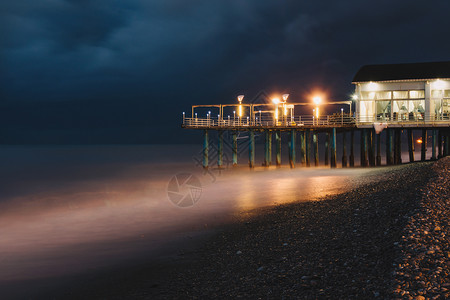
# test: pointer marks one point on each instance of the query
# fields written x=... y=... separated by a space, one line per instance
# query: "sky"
x=122 y=72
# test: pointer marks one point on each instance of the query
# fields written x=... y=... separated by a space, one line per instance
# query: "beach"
x=388 y=238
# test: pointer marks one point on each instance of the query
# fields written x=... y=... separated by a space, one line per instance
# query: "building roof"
x=431 y=70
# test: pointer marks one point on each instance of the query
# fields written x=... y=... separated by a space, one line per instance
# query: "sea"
x=67 y=210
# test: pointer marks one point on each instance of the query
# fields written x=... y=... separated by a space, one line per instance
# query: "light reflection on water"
x=70 y=216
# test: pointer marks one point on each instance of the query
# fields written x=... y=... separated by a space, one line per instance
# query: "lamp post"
x=276 y=101
x=285 y=97
x=317 y=100
x=260 y=120
x=342 y=116
x=240 y=98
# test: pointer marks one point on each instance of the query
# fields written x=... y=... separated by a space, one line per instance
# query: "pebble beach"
x=387 y=239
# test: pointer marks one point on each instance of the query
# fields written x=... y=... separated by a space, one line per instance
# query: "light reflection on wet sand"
x=58 y=226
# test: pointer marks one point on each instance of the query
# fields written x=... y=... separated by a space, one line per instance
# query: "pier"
x=390 y=100
x=301 y=133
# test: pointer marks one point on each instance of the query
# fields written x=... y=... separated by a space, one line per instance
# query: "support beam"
x=389 y=146
x=344 y=149
x=371 y=144
x=327 y=148
x=433 y=144
x=307 y=147
x=439 y=143
x=292 y=148
x=333 y=148
x=352 y=153
x=364 y=161
x=251 y=149
x=205 y=148
x=234 y=148
x=316 y=148
x=410 y=145
x=378 y=158
x=424 y=145
x=220 y=149
x=266 y=149
x=446 y=145
x=398 y=148
x=278 y=142
x=303 y=148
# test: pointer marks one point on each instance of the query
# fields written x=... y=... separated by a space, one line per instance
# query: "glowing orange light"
x=419 y=141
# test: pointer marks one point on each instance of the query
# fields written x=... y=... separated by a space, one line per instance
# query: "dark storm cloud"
x=127 y=60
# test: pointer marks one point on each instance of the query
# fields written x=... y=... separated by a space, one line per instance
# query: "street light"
x=240 y=97
x=285 y=97
x=317 y=100
x=276 y=101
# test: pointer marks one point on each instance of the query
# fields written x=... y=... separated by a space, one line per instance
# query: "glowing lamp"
x=317 y=100
x=275 y=101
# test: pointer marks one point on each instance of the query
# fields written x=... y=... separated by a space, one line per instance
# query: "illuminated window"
x=400 y=94
x=384 y=95
x=447 y=93
x=436 y=94
x=419 y=94
x=368 y=95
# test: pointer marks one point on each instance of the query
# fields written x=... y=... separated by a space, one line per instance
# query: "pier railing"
x=297 y=121
x=404 y=120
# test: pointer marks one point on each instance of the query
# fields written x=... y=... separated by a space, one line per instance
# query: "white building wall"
x=366 y=110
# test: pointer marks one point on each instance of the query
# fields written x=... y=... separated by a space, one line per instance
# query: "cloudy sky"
x=110 y=71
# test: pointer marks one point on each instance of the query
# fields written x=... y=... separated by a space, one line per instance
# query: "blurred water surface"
x=69 y=209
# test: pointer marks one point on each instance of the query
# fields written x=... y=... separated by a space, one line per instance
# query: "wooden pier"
x=306 y=130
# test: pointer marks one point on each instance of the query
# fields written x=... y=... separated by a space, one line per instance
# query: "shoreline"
x=341 y=246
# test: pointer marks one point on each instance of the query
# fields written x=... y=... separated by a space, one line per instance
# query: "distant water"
x=69 y=209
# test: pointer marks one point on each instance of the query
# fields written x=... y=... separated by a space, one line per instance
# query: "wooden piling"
x=410 y=145
x=424 y=145
x=389 y=145
x=433 y=144
x=302 y=148
x=352 y=154
x=344 y=149
x=378 y=159
x=398 y=143
x=364 y=161
x=234 y=147
x=292 y=148
x=307 y=147
x=395 y=147
x=316 y=148
x=446 y=145
x=278 y=146
x=251 y=149
x=266 y=149
x=333 y=148
x=439 y=143
x=220 y=149
x=371 y=143
x=327 y=148
x=205 y=148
